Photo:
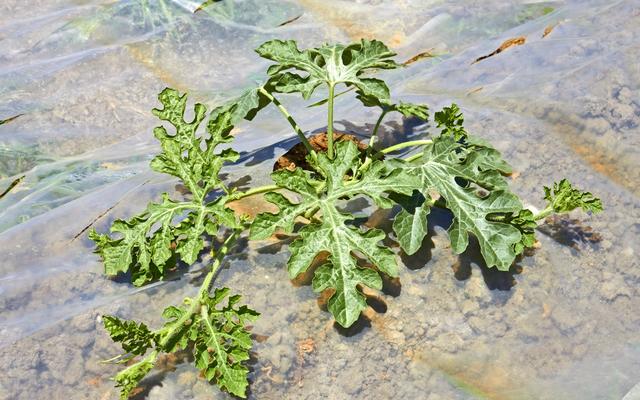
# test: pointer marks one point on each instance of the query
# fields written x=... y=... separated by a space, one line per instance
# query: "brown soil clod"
x=297 y=155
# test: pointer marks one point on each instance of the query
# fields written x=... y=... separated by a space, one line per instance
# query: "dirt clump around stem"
x=297 y=155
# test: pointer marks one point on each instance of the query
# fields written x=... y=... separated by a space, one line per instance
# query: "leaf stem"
x=544 y=213
x=374 y=134
x=254 y=191
x=203 y=292
x=291 y=121
x=403 y=145
x=330 y=122
x=413 y=157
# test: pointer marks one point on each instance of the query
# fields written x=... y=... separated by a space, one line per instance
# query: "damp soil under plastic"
x=563 y=323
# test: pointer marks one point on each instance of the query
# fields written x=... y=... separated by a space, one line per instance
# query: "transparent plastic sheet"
x=85 y=76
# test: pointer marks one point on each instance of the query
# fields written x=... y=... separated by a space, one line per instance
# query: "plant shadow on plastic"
x=341 y=256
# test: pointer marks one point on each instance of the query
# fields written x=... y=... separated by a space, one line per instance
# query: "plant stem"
x=413 y=157
x=203 y=292
x=544 y=213
x=254 y=191
x=330 y=123
x=291 y=121
x=374 y=134
x=403 y=145
x=367 y=160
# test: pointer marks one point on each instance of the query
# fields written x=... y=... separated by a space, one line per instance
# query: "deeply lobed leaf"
x=135 y=338
x=332 y=234
x=451 y=120
x=328 y=64
x=459 y=171
x=565 y=198
x=216 y=330
x=149 y=244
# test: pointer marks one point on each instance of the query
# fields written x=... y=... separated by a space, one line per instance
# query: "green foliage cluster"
x=451 y=170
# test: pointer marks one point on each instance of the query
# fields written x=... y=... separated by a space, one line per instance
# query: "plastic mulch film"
x=560 y=99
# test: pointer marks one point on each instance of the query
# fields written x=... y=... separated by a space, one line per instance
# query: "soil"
x=563 y=106
x=297 y=155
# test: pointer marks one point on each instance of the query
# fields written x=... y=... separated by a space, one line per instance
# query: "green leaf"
x=328 y=64
x=216 y=330
x=190 y=157
x=526 y=224
x=451 y=120
x=223 y=343
x=135 y=338
x=564 y=198
x=220 y=338
x=460 y=171
x=332 y=234
x=411 y=227
x=148 y=244
x=142 y=253
x=129 y=378
x=420 y=111
x=246 y=106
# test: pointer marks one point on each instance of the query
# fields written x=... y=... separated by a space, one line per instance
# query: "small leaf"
x=564 y=198
x=525 y=222
x=420 y=111
x=223 y=342
x=411 y=228
x=135 y=338
x=129 y=378
x=451 y=120
x=246 y=106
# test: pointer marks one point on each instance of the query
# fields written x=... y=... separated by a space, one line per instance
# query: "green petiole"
x=330 y=150
x=254 y=191
x=291 y=121
x=404 y=145
x=202 y=293
x=544 y=213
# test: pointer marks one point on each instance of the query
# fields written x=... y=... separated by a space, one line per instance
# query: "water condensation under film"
x=82 y=77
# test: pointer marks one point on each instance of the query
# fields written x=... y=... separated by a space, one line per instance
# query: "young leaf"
x=246 y=106
x=451 y=120
x=147 y=244
x=200 y=167
x=332 y=234
x=223 y=343
x=564 y=198
x=456 y=170
x=135 y=338
x=526 y=224
x=129 y=378
x=328 y=64
x=217 y=332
